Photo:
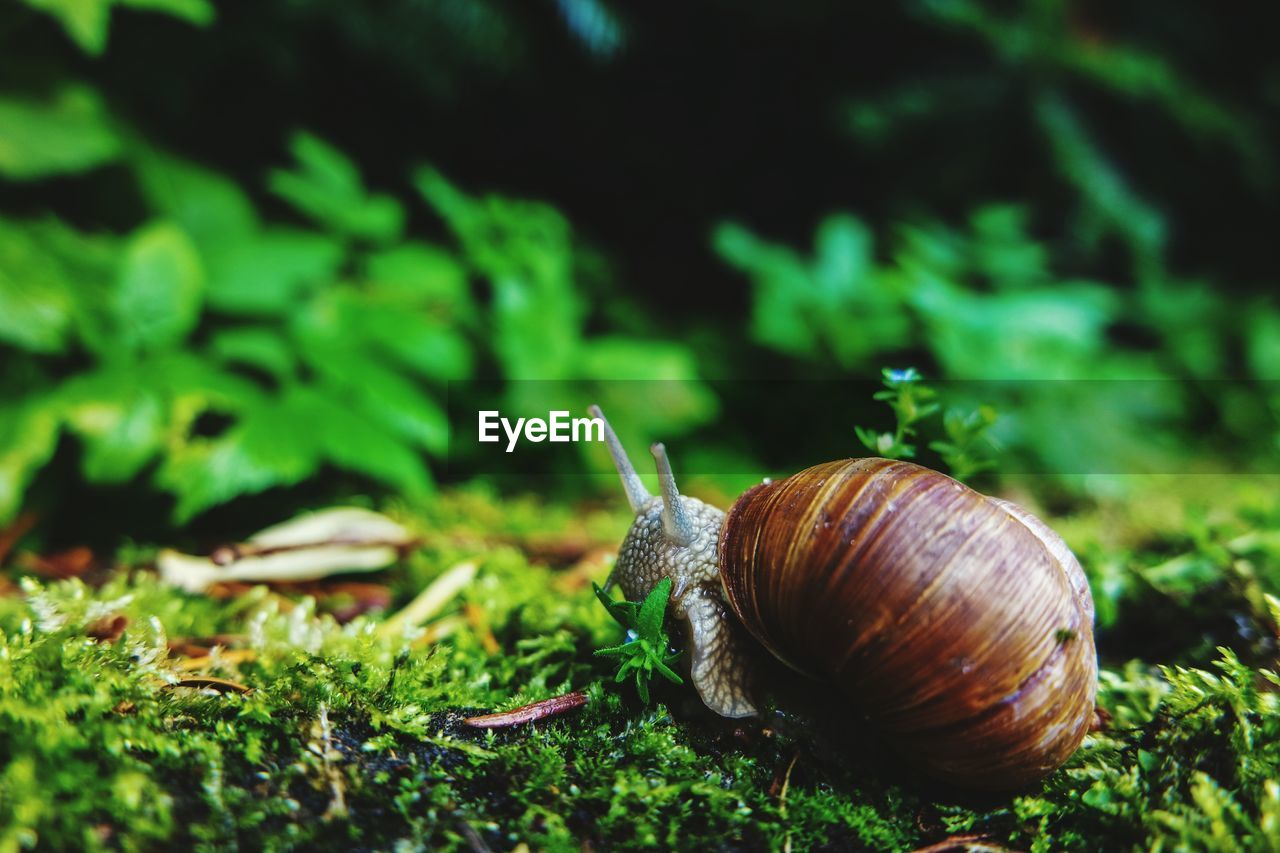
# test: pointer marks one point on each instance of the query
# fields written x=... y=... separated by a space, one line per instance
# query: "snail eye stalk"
x=676 y=523
x=637 y=494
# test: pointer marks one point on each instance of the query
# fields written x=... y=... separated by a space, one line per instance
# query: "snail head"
x=678 y=537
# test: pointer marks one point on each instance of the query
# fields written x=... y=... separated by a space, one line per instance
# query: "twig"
x=230 y=656
x=476 y=619
x=973 y=843
x=431 y=600
x=530 y=713
x=222 y=685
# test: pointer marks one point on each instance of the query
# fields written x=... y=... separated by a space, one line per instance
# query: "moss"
x=349 y=738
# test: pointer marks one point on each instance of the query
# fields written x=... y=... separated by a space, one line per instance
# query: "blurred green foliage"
x=215 y=323
x=218 y=354
x=323 y=345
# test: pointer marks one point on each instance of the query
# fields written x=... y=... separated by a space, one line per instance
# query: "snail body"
x=959 y=625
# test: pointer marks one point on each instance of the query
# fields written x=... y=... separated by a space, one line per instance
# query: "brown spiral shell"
x=959 y=624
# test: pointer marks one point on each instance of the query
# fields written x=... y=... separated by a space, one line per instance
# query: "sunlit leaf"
x=270 y=446
x=268 y=272
x=158 y=298
x=1263 y=348
x=67 y=133
x=807 y=307
x=208 y=206
x=52 y=280
x=424 y=274
x=525 y=250
x=121 y=422
x=260 y=347
x=86 y=20
x=326 y=186
x=353 y=442
x=198 y=12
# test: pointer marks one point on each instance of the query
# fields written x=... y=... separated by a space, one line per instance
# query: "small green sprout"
x=648 y=652
x=911 y=403
x=967 y=432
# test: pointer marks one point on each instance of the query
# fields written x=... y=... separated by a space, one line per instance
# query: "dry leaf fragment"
x=480 y=624
x=530 y=713
x=973 y=843
x=13 y=533
x=431 y=600
x=107 y=629
x=60 y=565
x=308 y=547
x=439 y=629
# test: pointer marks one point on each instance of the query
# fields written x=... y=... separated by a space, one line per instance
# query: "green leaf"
x=354 y=443
x=649 y=623
x=1102 y=186
x=1262 y=343
x=642 y=687
x=194 y=385
x=353 y=375
x=198 y=12
x=281 y=442
x=403 y=330
x=267 y=273
x=208 y=206
x=28 y=437
x=526 y=251
x=327 y=187
x=671 y=399
x=70 y=132
x=624 y=612
x=86 y=20
x=157 y=301
x=806 y=307
x=424 y=274
x=648 y=652
x=121 y=421
x=270 y=446
x=1036 y=334
x=36 y=302
x=430 y=349
x=666 y=671
x=261 y=347
x=1003 y=251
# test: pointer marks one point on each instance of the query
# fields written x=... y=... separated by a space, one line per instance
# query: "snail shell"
x=960 y=625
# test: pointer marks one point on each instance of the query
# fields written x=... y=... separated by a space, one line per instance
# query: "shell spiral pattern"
x=958 y=624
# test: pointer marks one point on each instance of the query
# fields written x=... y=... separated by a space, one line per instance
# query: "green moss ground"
x=350 y=739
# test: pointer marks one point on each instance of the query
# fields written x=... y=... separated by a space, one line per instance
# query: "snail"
x=959 y=625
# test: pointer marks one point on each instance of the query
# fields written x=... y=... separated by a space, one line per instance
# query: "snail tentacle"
x=637 y=494
x=676 y=523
